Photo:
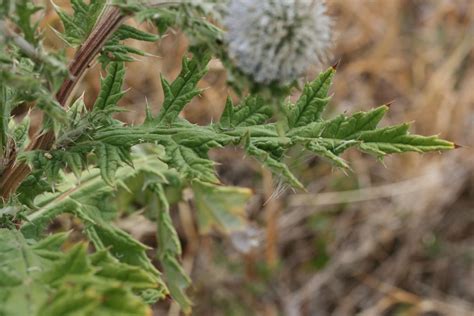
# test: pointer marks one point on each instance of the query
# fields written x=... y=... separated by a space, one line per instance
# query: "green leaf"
x=190 y=164
x=115 y=51
x=121 y=244
x=109 y=159
x=397 y=139
x=78 y=26
x=19 y=132
x=343 y=127
x=253 y=111
x=90 y=295
x=110 y=88
x=75 y=162
x=5 y=108
x=169 y=251
x=183 y=89
x=220 y=207
x=177 y=281
x=168 y=240
x=21 y=292
x=25 y=10
x=129 y=32
x=114 y=270
x=74 y=263
x=277 y=167
x=312 y=102
x=324 y=152
x=31 y=285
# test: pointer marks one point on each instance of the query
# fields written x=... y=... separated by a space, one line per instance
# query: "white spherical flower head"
x=277 y=40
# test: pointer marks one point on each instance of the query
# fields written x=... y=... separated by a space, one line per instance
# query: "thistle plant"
x=81 y=159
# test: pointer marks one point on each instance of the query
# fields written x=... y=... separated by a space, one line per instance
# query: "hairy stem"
x=111 y=19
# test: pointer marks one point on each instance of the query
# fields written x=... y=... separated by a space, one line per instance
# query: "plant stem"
x=110 y=20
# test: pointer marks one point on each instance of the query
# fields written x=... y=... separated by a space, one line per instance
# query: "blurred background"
x=390 y=238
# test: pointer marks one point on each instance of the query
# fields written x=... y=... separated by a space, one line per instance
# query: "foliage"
x=94 y=155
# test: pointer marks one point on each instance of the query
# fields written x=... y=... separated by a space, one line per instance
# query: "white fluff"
x=277 y=40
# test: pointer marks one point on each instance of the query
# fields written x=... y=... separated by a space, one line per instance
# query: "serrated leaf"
x=121 y=244
x=91 y=296
x=324 y=152
x=190 y=164
x=110 y=88
x=169 y=251
x=350 y=127
x=312 y=102
x=24 y=11
x=75 y=162
x=115 y=51
x=277 y=167
x=52 y=242
x=78 y=26
x=49 y=247
x=177 y=281
x=76 y=111
x=183 y=89
x=227 y=114
x=74 y=263
x=168 y=240
x=129 y=32
x=252 y=111
x=113 y=269
x=21 y=293
x=397 y=139
x=20 y=132
x=108 y=159
x=5 y=108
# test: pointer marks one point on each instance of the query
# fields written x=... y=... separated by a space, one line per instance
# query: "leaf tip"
x=390 y=103
x=336 y=64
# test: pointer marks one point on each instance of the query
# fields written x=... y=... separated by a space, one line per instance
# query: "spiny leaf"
x=93 y=296
x=78 y=26
x=21 y=292
x=350 y=127
x=110 y=88
x=74 y=263
x=5 y=108
x=265 y=158
x=121 y=244
x=183 y=89
x=253 y=111
x=312 y=102
x=397 y=139
x=24 y=11
x=169 y=251
x=19 y=132
x=108 y=159
x=114 y=270
x=324 y=152
x=129 y=32
x=75 y=162
x=167 y=236
x=190 y=164
x=115 y=51
x=177 y=281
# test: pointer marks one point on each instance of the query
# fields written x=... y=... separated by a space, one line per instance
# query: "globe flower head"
x=277 y=40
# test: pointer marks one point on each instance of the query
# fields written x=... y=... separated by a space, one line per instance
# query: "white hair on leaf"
x=277 y=40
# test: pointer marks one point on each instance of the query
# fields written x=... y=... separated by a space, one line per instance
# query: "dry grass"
x=390 y=239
